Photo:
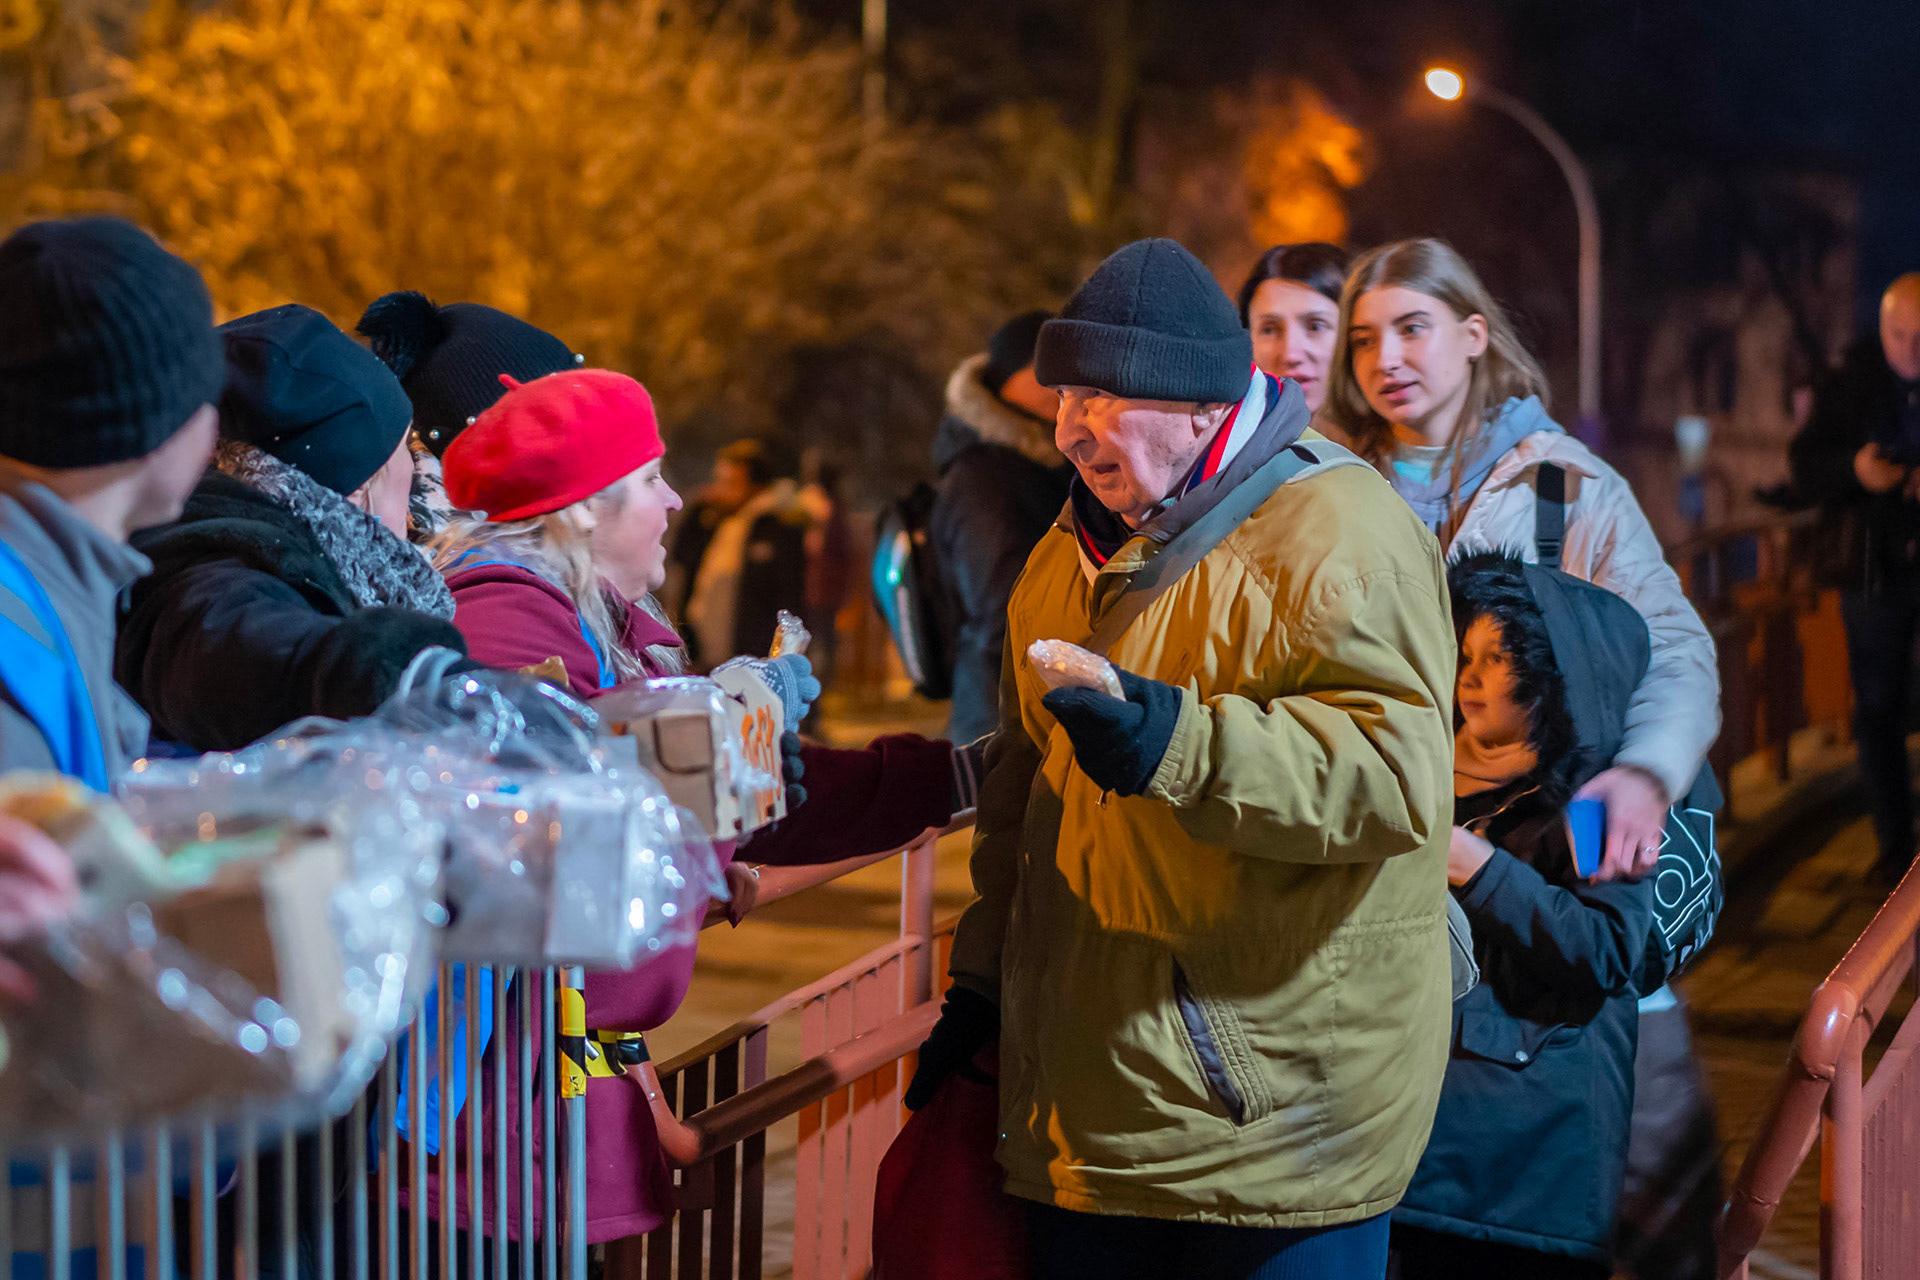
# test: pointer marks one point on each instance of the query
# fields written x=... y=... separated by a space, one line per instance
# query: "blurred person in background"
x=1858 y=460
x=830 y=567
x=1001 y=485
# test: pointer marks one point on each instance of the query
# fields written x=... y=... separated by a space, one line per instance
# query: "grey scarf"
x=378 y=568
x=1431 y=497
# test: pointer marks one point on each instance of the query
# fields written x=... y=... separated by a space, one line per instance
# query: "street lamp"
x=1450 y=86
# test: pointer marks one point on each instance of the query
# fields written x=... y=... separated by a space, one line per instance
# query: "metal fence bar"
x=60 y=1214
x=357 y=1184
x=417 y=1150
x=390 y=1167
x=443 y=1074
x=576 y=1158
x=503 y=1047
x=249 y=1202
x=205 y=1233
x=476 y=1220
x=323 y=1198
x=549 y=1236
x=289 y=1201
x=529 y=980
x=162 y=1203
x=113 y=1209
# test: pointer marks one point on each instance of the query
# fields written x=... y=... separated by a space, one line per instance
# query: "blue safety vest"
x=41 y=674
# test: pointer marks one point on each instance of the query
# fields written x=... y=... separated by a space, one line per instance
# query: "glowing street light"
x=1445 y=84
x=1450 y=86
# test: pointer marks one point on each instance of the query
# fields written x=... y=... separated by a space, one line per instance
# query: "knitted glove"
x=793 y=767
x=1118 y=744
x=791 y=678
x=969 y=767
x=968 y=1021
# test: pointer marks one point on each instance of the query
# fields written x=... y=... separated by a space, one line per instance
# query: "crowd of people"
x=1376 y=624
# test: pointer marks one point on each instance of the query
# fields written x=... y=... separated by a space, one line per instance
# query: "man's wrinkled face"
x=1132 y=454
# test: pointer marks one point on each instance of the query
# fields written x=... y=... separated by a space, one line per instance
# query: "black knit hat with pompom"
x=450 y=358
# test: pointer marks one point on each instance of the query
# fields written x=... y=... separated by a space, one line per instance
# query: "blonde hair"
x=1507 y=370
x=559 y=547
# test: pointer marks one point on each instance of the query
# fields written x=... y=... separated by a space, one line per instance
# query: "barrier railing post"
x=916 y=919
x=1843 y=1163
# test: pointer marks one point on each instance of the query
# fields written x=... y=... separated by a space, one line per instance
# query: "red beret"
x=551 y=442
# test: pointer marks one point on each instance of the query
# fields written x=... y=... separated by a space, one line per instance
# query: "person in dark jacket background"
x=287 y=587
x=1525 y=1164
x=1001 y=484
x=1858 y=460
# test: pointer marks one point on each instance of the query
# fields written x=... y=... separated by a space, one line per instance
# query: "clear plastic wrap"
x=688 y=733
x=790 y=635
x=1067 y=666
x=483 y=813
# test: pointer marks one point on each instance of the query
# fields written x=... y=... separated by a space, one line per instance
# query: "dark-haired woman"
x=1291 y=305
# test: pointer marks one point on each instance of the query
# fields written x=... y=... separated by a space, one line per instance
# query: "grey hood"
x=1507 y=426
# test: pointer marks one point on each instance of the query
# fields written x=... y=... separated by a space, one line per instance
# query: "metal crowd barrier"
x=345 y=1197
x=1866 y=1122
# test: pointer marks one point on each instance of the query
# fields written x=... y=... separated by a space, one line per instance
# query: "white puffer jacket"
x=1675 y=713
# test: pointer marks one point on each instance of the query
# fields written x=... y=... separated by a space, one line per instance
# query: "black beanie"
x=106 y=344
x=1010 y=349
x=1149 y=324
x=300 y=389
x=450 y=358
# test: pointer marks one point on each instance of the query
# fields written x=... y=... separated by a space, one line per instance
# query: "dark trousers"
x=1434 y=1255
x=1092 y=1246
x=1672 y=1193
x=1880 y=635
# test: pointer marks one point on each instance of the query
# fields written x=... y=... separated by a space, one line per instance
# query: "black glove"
x=1118 y=744
x=968 y=1023
x=793 y=768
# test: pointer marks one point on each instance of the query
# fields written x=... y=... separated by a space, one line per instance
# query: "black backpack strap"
x=1550 y=514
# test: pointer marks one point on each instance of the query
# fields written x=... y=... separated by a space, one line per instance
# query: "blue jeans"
x=1090 y=1246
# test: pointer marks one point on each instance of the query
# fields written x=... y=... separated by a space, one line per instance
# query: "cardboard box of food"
x=681 y=734
x=269 y=921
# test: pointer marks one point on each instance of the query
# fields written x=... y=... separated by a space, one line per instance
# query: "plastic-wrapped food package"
x=1067 y=666
x=790 y=635
x=252 y=930
x=558 y=849
x=693 y=737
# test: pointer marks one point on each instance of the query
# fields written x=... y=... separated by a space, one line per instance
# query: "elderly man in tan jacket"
x=1211 y=926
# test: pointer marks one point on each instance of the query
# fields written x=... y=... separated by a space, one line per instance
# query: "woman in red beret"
x=558 y=559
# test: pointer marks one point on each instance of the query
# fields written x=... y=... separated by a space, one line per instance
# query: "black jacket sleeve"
x=1586 y=940
x=983 y=538
x=221 y=654
x=1820 y=457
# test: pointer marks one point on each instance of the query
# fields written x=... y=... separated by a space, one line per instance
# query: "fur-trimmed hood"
x=977 y=416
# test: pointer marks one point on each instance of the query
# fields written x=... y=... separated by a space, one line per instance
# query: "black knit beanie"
x=450 y=358
x=1010 y=349
x=106 y=344
x=300 y=389
x=1149 y=324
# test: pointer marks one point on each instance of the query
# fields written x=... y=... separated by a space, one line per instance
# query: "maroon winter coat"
x=860 y=801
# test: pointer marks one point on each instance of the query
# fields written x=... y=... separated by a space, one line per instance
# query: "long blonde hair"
x=559 y=547
x=1506 y=370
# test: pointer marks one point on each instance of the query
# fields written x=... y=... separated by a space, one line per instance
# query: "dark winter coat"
x=1529 y=1143
x=246 y=623
x=1001 y=486
x=1868 y=542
